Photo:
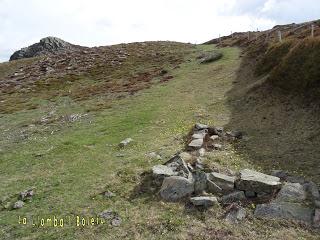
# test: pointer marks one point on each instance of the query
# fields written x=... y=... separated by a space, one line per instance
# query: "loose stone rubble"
x=185 y=178
x=112 y=216
x=17 y=201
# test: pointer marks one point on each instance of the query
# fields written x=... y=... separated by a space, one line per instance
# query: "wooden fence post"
x=280 y=36
x=312 y=30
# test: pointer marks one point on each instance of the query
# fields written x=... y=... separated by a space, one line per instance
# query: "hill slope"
x=60 y=134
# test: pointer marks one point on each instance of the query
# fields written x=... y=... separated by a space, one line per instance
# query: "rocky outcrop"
x=48 y=45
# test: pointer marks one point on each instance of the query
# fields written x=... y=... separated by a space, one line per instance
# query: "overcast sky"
x=105 y=22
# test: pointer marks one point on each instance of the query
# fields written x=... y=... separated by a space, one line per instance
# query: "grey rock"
x=205 y=201
x=162 y=170
x=48 y=45
x=224 y=182
x=18 y=204
x=235 y=134
x=291 y=211
x=199 y=134
x=196 y=143
x=200 y=181
x=154 y=155
x=179 y=166
x=257 y=182
x=316 y=218
x=236 y=215
x=312 y=191
x=112 y=216
x=213 y=187
x=125 y=142
x=217 y=146
x=116 y=221
x=202 y=152
x=317 y=203
x=214 y=56
x=237 y=196
x=200 y=126
x=280 y=174
x=109 y=194
x=190 y=167
x=108 y=214
x=199 y=165
x=26 y=195
x=175 y=188
x=291 y=192
x=214 y=137
x=250 y=194
x=296 y=179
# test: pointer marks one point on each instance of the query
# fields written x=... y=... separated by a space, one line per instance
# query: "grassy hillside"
x=71 y=160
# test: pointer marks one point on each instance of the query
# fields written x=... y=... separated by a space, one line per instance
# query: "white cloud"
x=103 y=22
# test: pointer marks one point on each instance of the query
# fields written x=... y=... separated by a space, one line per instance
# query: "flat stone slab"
x=257 y=182
x=224 y=182
x=196 y=143
x=200 y=126
x=162 y=170
x=175 y=188
x=205 y=201
x=292 y=211
x=199 y=135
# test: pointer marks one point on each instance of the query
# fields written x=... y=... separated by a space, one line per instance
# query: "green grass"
x=71 y=166
x=299 y=69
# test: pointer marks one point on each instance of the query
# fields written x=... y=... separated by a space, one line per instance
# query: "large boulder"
x=175 y=188
x=211 y=57
x=291 y=211
x=48 y=45
x=257 y=182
